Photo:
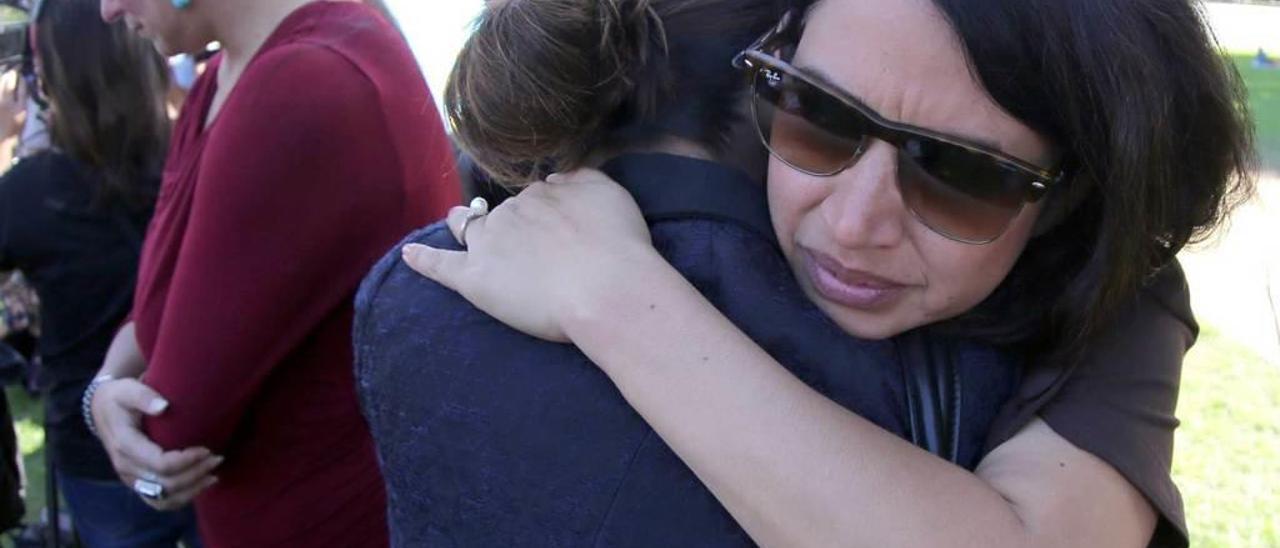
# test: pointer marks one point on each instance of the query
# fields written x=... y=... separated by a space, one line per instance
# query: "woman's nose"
x=865 y=208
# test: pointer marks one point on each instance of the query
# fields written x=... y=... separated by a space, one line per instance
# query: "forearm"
x=792 y=467
x=124 y=357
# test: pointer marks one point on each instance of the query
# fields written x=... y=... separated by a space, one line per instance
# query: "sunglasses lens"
x=962 y=204
x=960 y=193
x=803 y=125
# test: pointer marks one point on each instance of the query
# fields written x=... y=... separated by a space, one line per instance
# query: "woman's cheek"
x=959 y=276
x=792 y=198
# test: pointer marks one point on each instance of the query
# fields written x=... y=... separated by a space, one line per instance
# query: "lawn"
x=1227 y=460
x=28 y=419
x=1264 y=102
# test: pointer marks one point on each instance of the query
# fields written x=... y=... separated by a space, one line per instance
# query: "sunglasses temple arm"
x=742 y=62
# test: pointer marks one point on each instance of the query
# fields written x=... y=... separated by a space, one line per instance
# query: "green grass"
x=11 y=15
x=1227 y=461
x=1264 y=102
x=28 y=419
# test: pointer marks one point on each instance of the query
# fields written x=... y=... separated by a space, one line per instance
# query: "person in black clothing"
x=72 y=220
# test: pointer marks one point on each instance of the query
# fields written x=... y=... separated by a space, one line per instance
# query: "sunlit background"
x=436 y=30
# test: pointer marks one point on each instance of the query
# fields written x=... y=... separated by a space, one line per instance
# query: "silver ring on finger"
x=147 y=489
x=151 y=477
x=479 y=208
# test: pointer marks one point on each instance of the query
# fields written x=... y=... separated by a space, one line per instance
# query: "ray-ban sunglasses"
x=966 y=192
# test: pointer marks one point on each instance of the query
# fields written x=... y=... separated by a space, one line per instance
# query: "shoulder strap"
x=934 y=397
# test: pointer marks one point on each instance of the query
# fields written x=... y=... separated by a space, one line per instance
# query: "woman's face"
x=858 y=252
x=173 y=31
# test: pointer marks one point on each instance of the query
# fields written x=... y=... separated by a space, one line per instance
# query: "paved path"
x=1235 y=278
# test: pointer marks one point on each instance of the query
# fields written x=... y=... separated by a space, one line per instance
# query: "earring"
x=181 y=4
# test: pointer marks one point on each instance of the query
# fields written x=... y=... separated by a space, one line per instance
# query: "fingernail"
x=217 y=461
x=410 y=251
x=157 y=406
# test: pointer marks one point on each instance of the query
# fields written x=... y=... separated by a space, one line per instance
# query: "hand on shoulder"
x=548 y=257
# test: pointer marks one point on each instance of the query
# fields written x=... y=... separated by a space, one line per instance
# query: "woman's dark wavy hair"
x=1151 y=117
x=107 y=89
x=1153 y=120
x=543 y=85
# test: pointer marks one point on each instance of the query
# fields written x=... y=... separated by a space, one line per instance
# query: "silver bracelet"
x=86 y=401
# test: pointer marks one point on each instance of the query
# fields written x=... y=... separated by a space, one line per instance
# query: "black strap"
x=934 y=398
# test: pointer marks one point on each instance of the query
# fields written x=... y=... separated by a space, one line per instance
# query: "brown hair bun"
x=536 y=86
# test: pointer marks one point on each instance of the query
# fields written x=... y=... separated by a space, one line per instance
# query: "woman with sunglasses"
x=72 y=218
x=1012 y=170
x=310 y=140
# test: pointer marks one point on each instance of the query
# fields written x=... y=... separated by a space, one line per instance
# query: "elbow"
x=175 y=431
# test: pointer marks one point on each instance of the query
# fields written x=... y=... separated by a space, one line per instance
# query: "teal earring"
x=181 y=4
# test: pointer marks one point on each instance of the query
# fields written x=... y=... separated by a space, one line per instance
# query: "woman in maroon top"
x=309 y=146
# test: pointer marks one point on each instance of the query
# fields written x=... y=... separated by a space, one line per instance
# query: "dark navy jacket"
x=488 y=437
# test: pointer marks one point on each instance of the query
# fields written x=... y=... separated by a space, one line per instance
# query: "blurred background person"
x=71 y=219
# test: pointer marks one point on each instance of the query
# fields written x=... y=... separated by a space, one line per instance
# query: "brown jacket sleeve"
x=1118 y=401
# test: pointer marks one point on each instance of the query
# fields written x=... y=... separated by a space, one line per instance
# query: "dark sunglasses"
x=963 y=191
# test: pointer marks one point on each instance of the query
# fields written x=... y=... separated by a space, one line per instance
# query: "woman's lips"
x=852 y=288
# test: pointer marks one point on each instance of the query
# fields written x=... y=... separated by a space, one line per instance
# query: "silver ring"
x=479 y=208
x=148 y=489
x=151 y=477
x=462 y=231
